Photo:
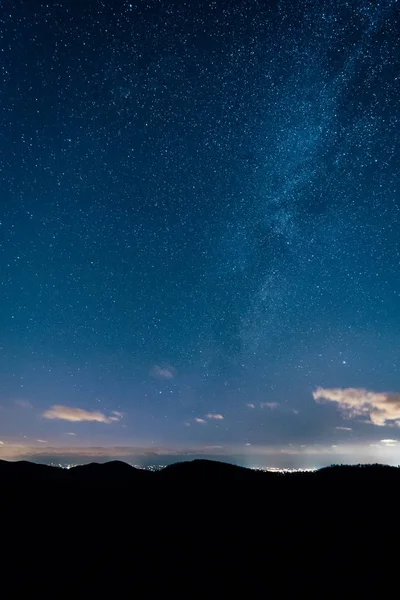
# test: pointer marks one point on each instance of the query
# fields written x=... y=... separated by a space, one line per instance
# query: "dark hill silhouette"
x=205 y=469
x=23 y=472
x=104 y=474
x=216 y=529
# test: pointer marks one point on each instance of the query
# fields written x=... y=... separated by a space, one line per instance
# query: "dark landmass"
x=208 y=528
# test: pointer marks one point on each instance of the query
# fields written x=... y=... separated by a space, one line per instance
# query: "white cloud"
x=116 y=415
x=2 y=443
x=69 y=413
x=271 y=405
x=70 y=433
x=198 y=420
x=389 y=443
x=164 y=372
x=250 y=405
x=344 y=428
x=215 y=416
x=382 y=408
x=42 y=441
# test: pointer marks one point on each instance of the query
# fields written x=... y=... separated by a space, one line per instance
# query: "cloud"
x=42 y=441
x=250 y=405
x=116 y=415
x=164 y=372
x=344 y=428
x=69 y=413
x=388 y=441
x=84 y=454
x=282 y=455
x=23 y=403
x=1 y=443
x=210 y=416
x=382 y=408
x=70 y=433
x=271 y=405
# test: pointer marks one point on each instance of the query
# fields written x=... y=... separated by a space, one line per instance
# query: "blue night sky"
x=200 y=229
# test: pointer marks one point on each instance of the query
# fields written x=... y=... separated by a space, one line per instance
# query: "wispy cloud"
x=389 y=443
x=23 y=403
x=270 y=405
x=208 y=416
x=69 y=413
x=70 y=433
x=163 y=372
x=89 y=453
x=117 y=414
x=303 y=456
x=340 y=428
x=1 y=443
x=42 y=441
x=250 y=405
x=382 y=408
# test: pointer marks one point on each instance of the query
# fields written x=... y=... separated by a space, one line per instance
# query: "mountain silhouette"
x=213 y=528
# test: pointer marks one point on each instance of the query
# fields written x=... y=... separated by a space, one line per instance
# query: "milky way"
x=199 y=216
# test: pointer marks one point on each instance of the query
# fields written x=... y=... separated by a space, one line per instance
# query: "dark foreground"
x=200 y=529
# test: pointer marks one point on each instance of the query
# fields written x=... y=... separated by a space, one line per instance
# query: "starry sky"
x=199 y=239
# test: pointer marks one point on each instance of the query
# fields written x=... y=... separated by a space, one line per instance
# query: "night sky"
x=200 y=229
